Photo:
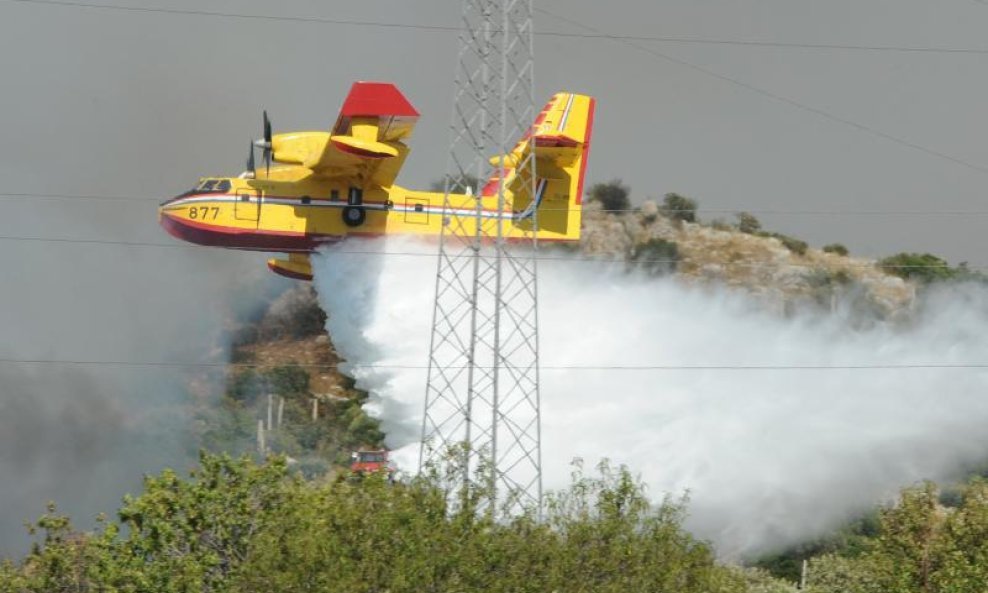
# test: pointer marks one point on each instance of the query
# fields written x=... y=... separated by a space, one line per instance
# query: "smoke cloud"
x=86 y=419
x=769 y=457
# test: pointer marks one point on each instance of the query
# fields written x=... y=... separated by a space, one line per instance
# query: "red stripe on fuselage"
x=238 y=238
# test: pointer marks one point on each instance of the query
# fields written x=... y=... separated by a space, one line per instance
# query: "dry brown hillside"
x=762 y=265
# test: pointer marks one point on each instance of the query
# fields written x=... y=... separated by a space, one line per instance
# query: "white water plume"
x=769 y=456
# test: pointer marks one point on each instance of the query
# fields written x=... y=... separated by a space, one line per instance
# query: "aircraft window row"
x=214 y=185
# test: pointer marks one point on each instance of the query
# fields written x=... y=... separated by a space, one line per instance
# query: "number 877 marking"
x=204 y=212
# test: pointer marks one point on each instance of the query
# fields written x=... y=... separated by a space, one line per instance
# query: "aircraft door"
x=248 y=205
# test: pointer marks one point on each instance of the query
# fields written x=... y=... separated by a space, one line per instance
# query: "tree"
x=747 y=223
x=923 y=267
x=921 y=547
x=194 y=534
x=655 y=256
x=793 y=244
x=679 y=207
x=612 y=195
x=836 y=248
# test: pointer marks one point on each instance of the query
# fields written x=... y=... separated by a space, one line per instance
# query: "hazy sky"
x=139 y=104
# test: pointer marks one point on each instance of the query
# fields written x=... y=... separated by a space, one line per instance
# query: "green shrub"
x=836 y=248
x=655 y=257
x=747 y=223
x=679 y=207
x=922 y=267
x=245 y=386
x=822 y=278
x=612 y=195
x=791 y=243
x=964 y=273
x=249 y=384
x=288 y=380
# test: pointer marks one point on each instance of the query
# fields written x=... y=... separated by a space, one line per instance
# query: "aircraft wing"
x=367 y=143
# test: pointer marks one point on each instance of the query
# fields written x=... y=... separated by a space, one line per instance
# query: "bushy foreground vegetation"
x=929 y=541
x=235 y=525
x=922 y=546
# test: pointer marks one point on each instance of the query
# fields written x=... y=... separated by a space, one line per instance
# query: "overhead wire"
x=762 y=211
x=47 y=196
x=549 y=367
x=604 y=259
x=457 y=29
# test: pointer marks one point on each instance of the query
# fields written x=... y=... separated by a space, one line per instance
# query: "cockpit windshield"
x=205 y=186
x=213 y=186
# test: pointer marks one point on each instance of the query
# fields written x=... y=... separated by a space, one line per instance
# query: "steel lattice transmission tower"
x=482 y=397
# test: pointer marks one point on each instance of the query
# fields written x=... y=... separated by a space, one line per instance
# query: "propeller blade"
x=267 y=143
x=250 y=161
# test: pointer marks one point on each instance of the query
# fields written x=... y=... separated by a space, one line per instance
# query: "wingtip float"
x=322 y=187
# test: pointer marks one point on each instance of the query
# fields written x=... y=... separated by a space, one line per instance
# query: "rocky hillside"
x=281 y=357
x=783 y=270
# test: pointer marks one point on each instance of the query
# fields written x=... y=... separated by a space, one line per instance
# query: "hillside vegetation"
x=783 y=271
x=238 y=526
x=284 y=359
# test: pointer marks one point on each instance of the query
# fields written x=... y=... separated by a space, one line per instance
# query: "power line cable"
x=777 y=97
x=603 y=259
x=550 y=367
x=46 y=196
x=559 y=34
x=761 y=211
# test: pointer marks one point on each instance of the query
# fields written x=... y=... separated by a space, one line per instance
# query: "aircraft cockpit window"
x=214 y=186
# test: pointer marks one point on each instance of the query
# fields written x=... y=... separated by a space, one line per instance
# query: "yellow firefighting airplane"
x=339 y=184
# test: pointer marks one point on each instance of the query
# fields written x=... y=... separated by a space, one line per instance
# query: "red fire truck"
x=369 y=462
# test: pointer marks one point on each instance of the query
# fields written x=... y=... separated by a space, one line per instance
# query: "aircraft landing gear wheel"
x=354 y=216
